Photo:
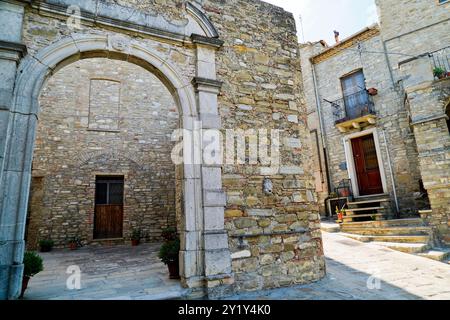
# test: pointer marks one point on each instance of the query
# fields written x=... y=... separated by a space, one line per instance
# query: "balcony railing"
x=441 y=60
x=353 y=106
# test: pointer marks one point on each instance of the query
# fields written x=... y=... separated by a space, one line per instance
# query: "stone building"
x=380 y=123
x=228 y=65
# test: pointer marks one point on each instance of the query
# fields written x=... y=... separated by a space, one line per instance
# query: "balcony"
x=354 y=111
x=441 y=63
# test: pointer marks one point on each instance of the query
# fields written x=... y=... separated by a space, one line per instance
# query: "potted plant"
x=169 y=234
x=439 y=72
x=345 y=192
x=169 y=255
x=32 y=266
x=136 y=236
x=340 y=214
x=75 y=243
x=46 y=245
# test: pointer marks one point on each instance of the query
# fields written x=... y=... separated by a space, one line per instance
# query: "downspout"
x=322 y=127
x=392 y=173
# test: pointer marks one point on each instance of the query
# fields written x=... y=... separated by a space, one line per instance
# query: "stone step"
x=404 y=247
x=437 y=254
x=387 y=231
x=364 y=209
x=358 y=203
x=373 y=198
x=397 y=239
x=349 y=218
x=386 y=223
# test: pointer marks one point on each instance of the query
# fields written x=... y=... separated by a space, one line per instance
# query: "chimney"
x=336 y=36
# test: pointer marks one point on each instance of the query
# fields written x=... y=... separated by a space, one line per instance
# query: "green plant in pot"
x=169 y=234
x=169 y=255
x=136 y=237
x=46 y=245
x=32 y=266
x=439 y=72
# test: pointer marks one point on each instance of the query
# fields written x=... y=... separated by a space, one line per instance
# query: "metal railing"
x=441 y=60
x=353 y=106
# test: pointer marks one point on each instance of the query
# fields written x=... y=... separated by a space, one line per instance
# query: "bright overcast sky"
x=321 y=17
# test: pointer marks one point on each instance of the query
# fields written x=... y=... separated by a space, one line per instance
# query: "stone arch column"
x=205 y=258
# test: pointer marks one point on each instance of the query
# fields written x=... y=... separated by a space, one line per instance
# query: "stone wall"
x=260 y=67
x=392 y=117
x=427 y=100
x=413 y=27
x=102 y=117
x=424 y=29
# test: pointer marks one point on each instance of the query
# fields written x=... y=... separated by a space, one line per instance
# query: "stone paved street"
x=350 y=264
x=121 y=272
x=135 y=273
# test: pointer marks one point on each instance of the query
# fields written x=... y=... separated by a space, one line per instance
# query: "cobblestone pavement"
x=353 y=270
x=364 y=271
x=119 y=272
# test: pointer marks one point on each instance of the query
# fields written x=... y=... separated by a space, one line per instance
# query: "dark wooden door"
x=108 y=222
x=367 y=166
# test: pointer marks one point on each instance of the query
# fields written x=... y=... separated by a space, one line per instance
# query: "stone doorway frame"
x=205 y=260
x=347 y=141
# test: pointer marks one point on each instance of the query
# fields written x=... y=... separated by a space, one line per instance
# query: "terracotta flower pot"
x=174 y=270
x=345 y=193
x=340 y=216
x=73 y=246
x=135 y=243
x=25 y=281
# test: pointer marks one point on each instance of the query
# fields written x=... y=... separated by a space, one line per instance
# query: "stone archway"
x=204 y=254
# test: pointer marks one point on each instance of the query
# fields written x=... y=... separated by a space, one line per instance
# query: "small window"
x=109 y=191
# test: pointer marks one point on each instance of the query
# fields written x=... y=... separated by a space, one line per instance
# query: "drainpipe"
x=392 y=172
x=322 y=127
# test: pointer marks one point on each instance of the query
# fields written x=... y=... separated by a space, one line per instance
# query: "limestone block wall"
x=427 y=102
x=274 y=239
x=392 y=117
x=260 y=67
x=413 y=28
x=102 y=117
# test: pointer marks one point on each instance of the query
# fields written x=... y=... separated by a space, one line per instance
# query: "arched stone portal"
x=199 y=263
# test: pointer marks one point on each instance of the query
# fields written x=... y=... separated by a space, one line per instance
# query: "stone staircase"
x=367 y=209
x=405 y=235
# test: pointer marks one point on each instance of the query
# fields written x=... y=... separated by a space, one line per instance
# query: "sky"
x=321 y=17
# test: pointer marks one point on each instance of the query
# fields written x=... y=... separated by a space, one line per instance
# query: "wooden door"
x=367 y=166
x=108 y=222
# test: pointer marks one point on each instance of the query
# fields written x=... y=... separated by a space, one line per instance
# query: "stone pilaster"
x=217 y=258
x=11 y=230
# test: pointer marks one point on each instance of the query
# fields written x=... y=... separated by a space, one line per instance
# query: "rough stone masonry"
x=232 y=65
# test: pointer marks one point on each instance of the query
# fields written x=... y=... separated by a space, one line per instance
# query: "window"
x=355 y=95
x=109 y=191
